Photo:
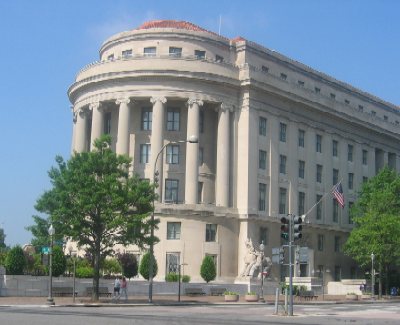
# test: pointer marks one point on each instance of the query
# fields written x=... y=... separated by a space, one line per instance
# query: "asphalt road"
x=218 y=314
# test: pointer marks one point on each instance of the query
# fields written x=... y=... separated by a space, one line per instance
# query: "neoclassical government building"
x=274 y=136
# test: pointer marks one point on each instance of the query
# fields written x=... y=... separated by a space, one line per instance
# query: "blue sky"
x=45 y=43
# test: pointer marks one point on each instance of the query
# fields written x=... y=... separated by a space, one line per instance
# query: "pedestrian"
x=117 y=286
x=124 y=287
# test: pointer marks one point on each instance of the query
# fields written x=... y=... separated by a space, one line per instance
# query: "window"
x=107 y=123
x=319 y=174
x=335 y=212
x=211 y=232
x=264 y=69
x=301 y=168
x=373 y=113
x=147 y=116
x=301 y=203
x=262 y=159
x=173 y=230
x=333 y=96
x=201 y=156
x=365 y=179
x=337 y=244
x=361 y=108
x=200 y=192
x=300 y=83
x=350 y=150
x=150 y=51
x=171 y=190
x=145 y=150
x=334 y=148
x=385 y=117
x=282 y=200
x=173 y=117
x=351 y=221
x=263 y=235
x=338 y=273
x=321 y=240
x=364 y=157
x=283 y=76
x=282 y=164
x=262 y=126
x=335 y=176
x=351 y=181
x=346 y=101
x=110 y=57
x=317 y=90
x=262 y=193
x=126 y=53
x=282 y=132
x=201 y=55
x=319 y=207
x=201 y=121
x=173 y=262
x=301 y=138
x=173 y=154
x=175 y=51
x=318 y=143
x=219 y=58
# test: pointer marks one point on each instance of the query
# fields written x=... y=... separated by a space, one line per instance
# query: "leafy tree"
x=111 y=266
x=376 y=215
x=59 y=261
x=2 y=240
x=15 y=261
x=96 y=202
x=129 y=265
x=144 y=266
x=208 y=270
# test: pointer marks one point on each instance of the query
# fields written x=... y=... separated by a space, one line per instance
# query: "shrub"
x=59 y=261
x=185 y=278
x=84 y=272
x=207 y=270
x=171 y=277
x=129 y=265
x=111 y=266
x=230 y=293
x=144 y=266
x=15 y=261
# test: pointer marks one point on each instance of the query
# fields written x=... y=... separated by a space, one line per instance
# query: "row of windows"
x=174 y=231
x=172 y=157
x=337 y=243
x=173 y=51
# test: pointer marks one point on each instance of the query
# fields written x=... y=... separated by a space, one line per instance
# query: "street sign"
x=303 y=255
x=46 y=250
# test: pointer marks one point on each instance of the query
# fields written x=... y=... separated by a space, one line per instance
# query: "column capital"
x=156 y=99
x=192 y=101
x=225 y=107
x=94 y=105
x=125 y=100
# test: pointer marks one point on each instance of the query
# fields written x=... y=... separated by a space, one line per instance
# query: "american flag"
x=337 y=193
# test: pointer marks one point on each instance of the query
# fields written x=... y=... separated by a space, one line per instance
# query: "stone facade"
x=274 y=137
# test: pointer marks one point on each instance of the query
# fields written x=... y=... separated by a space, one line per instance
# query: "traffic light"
x=285 y=227
x=297 y=227
x=155 y=179
x=281 y=255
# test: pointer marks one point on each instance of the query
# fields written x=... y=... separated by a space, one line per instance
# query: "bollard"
x=276 y=300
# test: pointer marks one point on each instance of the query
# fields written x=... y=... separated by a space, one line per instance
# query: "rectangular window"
x=373 y=113
x=107 y=123
x=335 y=176
x=282 y=132
x=147 y=116
x=262 y=127
x=338 y=273
x=319 y=207
x=201 y=121
x=334 y=148
x=201 y=156
x=175 y=51
x=262 y=159
x=302 y=165
x=173 y=117
x=201 y=55
x=263 y=235
x=219 y=58
x=361 y=108
x=365 y=179
x=127 y=53
x=351 y=181
x=282 y=200
x=337 y=244
x=317 y=90
x=346 y=101
x=318 y=143
x=283 y=76
x=264 y=69
x=321 y=240
x=172 y=263
x=301 y=138
x=282 y=164
x=145 y=150
x=173 y=230
x=110 y=57
x=351 y=221
x=300 y=83
x=171 y=190
x=333 y=96
x=319 y=174
x=150 y=51
x=301 y=203
x=335 y=212
x=211 y=232
x=262 y=194
x=364 y=157
x=385 y=117
x=350 y=150
x=173 y=154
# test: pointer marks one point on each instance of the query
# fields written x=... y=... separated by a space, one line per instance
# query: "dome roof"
x=171 y=24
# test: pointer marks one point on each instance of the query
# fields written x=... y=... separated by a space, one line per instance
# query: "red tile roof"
x=171 y=24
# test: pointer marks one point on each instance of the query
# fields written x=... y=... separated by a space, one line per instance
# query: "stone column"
x=222 y=179
x=157 y=138
x=97 y=122
x=80 y=130
x=192 y=151
x=123 y=126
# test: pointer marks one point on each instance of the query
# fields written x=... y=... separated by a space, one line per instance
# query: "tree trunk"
x=380 y=281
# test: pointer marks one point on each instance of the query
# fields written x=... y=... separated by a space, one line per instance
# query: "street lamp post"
x=192 y=139
x=262 y=247
x=50 y=300
x=372 y=276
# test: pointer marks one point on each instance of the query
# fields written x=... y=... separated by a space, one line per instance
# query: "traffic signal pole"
x=290 y=265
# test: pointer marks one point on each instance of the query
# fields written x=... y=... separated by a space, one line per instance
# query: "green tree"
x=144 y=266
x=2 y=240
x=129 y=265
x=111 y=266
x=96 y=202
x=15 y=261
x=208 y=270
x=59 y=261
x=376 y=215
